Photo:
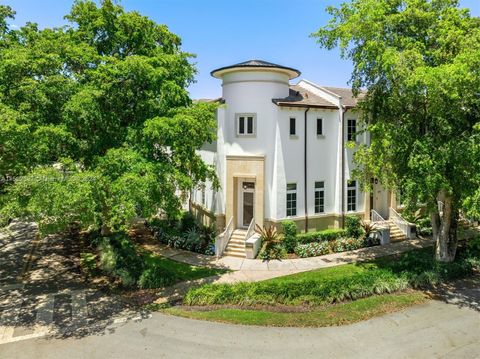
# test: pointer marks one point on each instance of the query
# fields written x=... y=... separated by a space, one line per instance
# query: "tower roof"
x=256 y=65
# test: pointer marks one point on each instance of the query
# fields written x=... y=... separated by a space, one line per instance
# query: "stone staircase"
x=396 y=235
x=236 y=245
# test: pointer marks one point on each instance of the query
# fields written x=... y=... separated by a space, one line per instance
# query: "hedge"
x=326 y=235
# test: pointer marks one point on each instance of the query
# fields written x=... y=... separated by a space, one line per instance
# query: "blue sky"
x=222 y=33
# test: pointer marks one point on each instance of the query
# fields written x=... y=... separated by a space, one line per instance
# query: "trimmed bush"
x=353 y=226
x=325 y=235
x=290 y=235
x=312 y=249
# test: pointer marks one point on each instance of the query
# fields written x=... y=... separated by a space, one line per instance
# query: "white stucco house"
x=281 y=153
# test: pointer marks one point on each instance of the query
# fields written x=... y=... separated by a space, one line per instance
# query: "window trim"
x=294 y=134
x=322 y=132
x=245 y=116
x=351 y=187
x=351 y=136
x=315 y=191
x=291 y=191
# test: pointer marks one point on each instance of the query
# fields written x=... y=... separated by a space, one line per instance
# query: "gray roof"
x=258 y=64
x=300 y=97
x=346 y=94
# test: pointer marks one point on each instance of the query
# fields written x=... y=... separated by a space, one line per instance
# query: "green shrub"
x=325 y=235
x=353 y=226
x=290 y=235
x=188 y=222
x=312 y=249
x=303 y=292
x=88 y=262
x=275 y=251
x=346 y=244
x=156 y=277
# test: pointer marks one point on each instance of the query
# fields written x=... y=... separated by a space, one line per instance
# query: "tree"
x=418 y=61
x=96 y=124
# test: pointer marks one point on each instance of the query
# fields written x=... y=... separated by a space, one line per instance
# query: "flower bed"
x=326 y=247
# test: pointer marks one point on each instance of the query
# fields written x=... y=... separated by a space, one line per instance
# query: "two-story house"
x=281 y=153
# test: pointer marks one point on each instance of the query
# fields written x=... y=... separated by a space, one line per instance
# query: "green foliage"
x=289 y=235
x=353 y=226
x=88 y=262
x=156 y=277
x=313 y=249
x=95 y=117
x=418 y=61
x=332 y=285
x=185 y=233
x=325 y=235
x=272 y=246
x=341 y=244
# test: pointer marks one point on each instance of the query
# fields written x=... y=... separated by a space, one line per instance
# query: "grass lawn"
x=181 y=271
x=330 y=315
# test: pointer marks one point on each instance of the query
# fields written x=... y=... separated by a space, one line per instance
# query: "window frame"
x=319 y=207
x=292 y=120
x=321 y=134
x=352 y=186
x=351 y=136
x=245 y=126
x=291 y=211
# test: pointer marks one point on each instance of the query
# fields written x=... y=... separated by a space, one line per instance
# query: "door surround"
x=250 y=168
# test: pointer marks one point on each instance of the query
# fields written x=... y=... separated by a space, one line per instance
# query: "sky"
x=222 y=33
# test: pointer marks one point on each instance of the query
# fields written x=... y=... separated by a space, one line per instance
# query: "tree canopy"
x=96 y=123
x=419 y=61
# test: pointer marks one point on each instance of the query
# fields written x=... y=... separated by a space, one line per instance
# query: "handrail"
x=250 y=230
x=376 y=217
x=223 y=238
x=405 y=226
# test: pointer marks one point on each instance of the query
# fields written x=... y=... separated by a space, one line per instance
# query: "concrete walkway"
x=253 y=270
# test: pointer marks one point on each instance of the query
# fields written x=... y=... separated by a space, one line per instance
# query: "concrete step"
x=242 y=241
x=236 y=245
x=234 y=253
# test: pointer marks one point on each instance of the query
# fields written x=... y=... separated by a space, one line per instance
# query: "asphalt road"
x=432 y=330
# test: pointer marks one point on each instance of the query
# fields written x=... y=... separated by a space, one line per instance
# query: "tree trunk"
x=444 y=228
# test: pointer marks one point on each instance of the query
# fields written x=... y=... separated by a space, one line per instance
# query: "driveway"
x=432 y=330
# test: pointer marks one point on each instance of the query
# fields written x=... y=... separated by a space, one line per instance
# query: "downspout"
x=342 y=129
x=305 y=170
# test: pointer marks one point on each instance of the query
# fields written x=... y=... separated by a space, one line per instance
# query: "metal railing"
x=376 y=217
x=406 y=227
x=223 y=238
x=251 y=229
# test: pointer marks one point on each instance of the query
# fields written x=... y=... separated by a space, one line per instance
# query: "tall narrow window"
x=352 y=196
x=291 y=199
x=319 y=197
x=319 y=126
x=204 y=199
x=245 y=124
x=351 y=130
x=293 y=130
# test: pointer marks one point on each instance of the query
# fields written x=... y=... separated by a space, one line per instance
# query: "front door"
x=380 y=199
x=246 y=200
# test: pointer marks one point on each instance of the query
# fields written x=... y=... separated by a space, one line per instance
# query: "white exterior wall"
x=252 y=92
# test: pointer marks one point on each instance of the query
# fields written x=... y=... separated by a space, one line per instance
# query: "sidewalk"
x=253 y=270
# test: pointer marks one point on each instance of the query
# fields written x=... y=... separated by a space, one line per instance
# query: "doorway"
x=380 y=199
x=246 y=201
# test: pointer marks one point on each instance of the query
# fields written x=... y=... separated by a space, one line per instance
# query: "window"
x=319 y=126
x=204 y=200
x=351 y=130
x=352 y=196
x=291 y=199
x=319 y=197
x=293 y=130
x=245 y=124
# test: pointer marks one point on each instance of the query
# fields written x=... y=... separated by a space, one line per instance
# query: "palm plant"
x=369 y=228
